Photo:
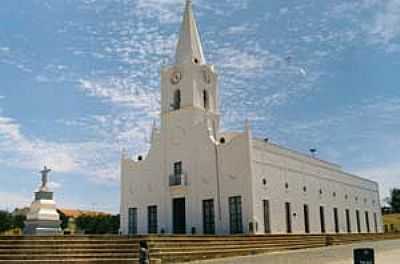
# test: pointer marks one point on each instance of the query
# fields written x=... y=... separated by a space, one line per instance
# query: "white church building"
x=197 y=179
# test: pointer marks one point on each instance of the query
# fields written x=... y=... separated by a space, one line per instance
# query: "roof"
x=298 y=153
x=189 y=46
x=74 y=213
x=309 y=158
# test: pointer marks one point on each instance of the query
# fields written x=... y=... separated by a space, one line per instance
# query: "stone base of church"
x=42 y=227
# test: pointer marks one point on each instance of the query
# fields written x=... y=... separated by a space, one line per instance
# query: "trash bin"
x=364 y=256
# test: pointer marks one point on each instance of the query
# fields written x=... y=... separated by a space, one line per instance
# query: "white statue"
x=45 y=177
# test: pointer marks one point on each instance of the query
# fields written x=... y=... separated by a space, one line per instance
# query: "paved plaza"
x=387 y=252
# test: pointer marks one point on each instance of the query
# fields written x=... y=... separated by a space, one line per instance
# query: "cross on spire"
x=189 y=48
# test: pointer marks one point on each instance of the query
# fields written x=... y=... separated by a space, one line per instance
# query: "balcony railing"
x=177 y=180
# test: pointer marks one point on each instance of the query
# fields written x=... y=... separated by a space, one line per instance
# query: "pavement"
x=386 y=252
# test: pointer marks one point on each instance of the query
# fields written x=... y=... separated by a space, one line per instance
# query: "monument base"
x=42 y=227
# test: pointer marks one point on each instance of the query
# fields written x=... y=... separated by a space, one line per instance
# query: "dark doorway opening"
x=358 y=221
x=375 y=223
x=336 y=219
x=267 y=224
x=367 y=222
x=235 y=215
x=288 y=218
x=208 y=217
x=306 y=219
x=348 y=223
x=179 y=215
x=322 y=219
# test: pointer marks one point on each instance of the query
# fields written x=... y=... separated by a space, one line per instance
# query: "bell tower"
x=189 y=88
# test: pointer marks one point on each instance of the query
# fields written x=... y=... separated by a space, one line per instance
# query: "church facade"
x=197 y=179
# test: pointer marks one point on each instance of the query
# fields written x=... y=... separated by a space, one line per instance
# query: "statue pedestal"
x=42 y=227
x=43 y=218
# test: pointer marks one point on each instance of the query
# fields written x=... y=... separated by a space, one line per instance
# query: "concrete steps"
x=69 y=249
x=233 y=247
x=187 y=256
x=65 y=256
x=165 y=248
x=178 y=249
x=76 y=261
x=43 y=251
x=66 y=247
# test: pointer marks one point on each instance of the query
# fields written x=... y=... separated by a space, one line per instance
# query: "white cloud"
x=242 y=62
x=21 y=151
x=53 y=185
x=234 y=5
x=86 y=158
x=241 y=29
x=9 y=129
x=167 y=11
x=10 y=200
x=374 y=22
x=353 y=121
x=122 y=91
x=4 y=49
x=388 y=176
x=386 y=26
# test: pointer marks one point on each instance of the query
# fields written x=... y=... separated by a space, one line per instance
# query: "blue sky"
x=79 y=81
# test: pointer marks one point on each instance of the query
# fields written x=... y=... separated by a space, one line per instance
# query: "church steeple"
x=189 y=48
x=189 y=87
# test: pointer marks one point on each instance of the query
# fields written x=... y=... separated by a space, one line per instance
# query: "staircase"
x=165 y=249
x=177 y=249
x=343 y=239
x=69 y=249
x=184 y=249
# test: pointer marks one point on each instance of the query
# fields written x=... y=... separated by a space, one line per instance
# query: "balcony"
x=177 y=180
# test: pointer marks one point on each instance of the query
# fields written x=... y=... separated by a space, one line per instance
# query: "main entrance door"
x=179 y=216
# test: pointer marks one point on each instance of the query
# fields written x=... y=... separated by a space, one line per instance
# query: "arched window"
x=205 y=100
x=176 y=105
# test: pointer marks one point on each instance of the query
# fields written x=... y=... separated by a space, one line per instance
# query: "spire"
x=189 y=49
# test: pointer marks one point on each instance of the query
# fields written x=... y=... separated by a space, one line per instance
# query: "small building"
x=72 y=214
x=391 y=222
x=199 y=179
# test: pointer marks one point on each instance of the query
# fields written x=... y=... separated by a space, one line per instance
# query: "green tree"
x=6 y=221
x=64 y=219
x=18 y=221
x=394 y=200
x=99 y=224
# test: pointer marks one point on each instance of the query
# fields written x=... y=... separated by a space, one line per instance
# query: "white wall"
x=146 y=183
x=235 y=164
x=278 y=166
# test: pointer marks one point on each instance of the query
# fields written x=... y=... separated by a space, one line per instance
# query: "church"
x=197 y=179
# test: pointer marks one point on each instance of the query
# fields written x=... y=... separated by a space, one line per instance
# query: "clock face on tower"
x=176 y=77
